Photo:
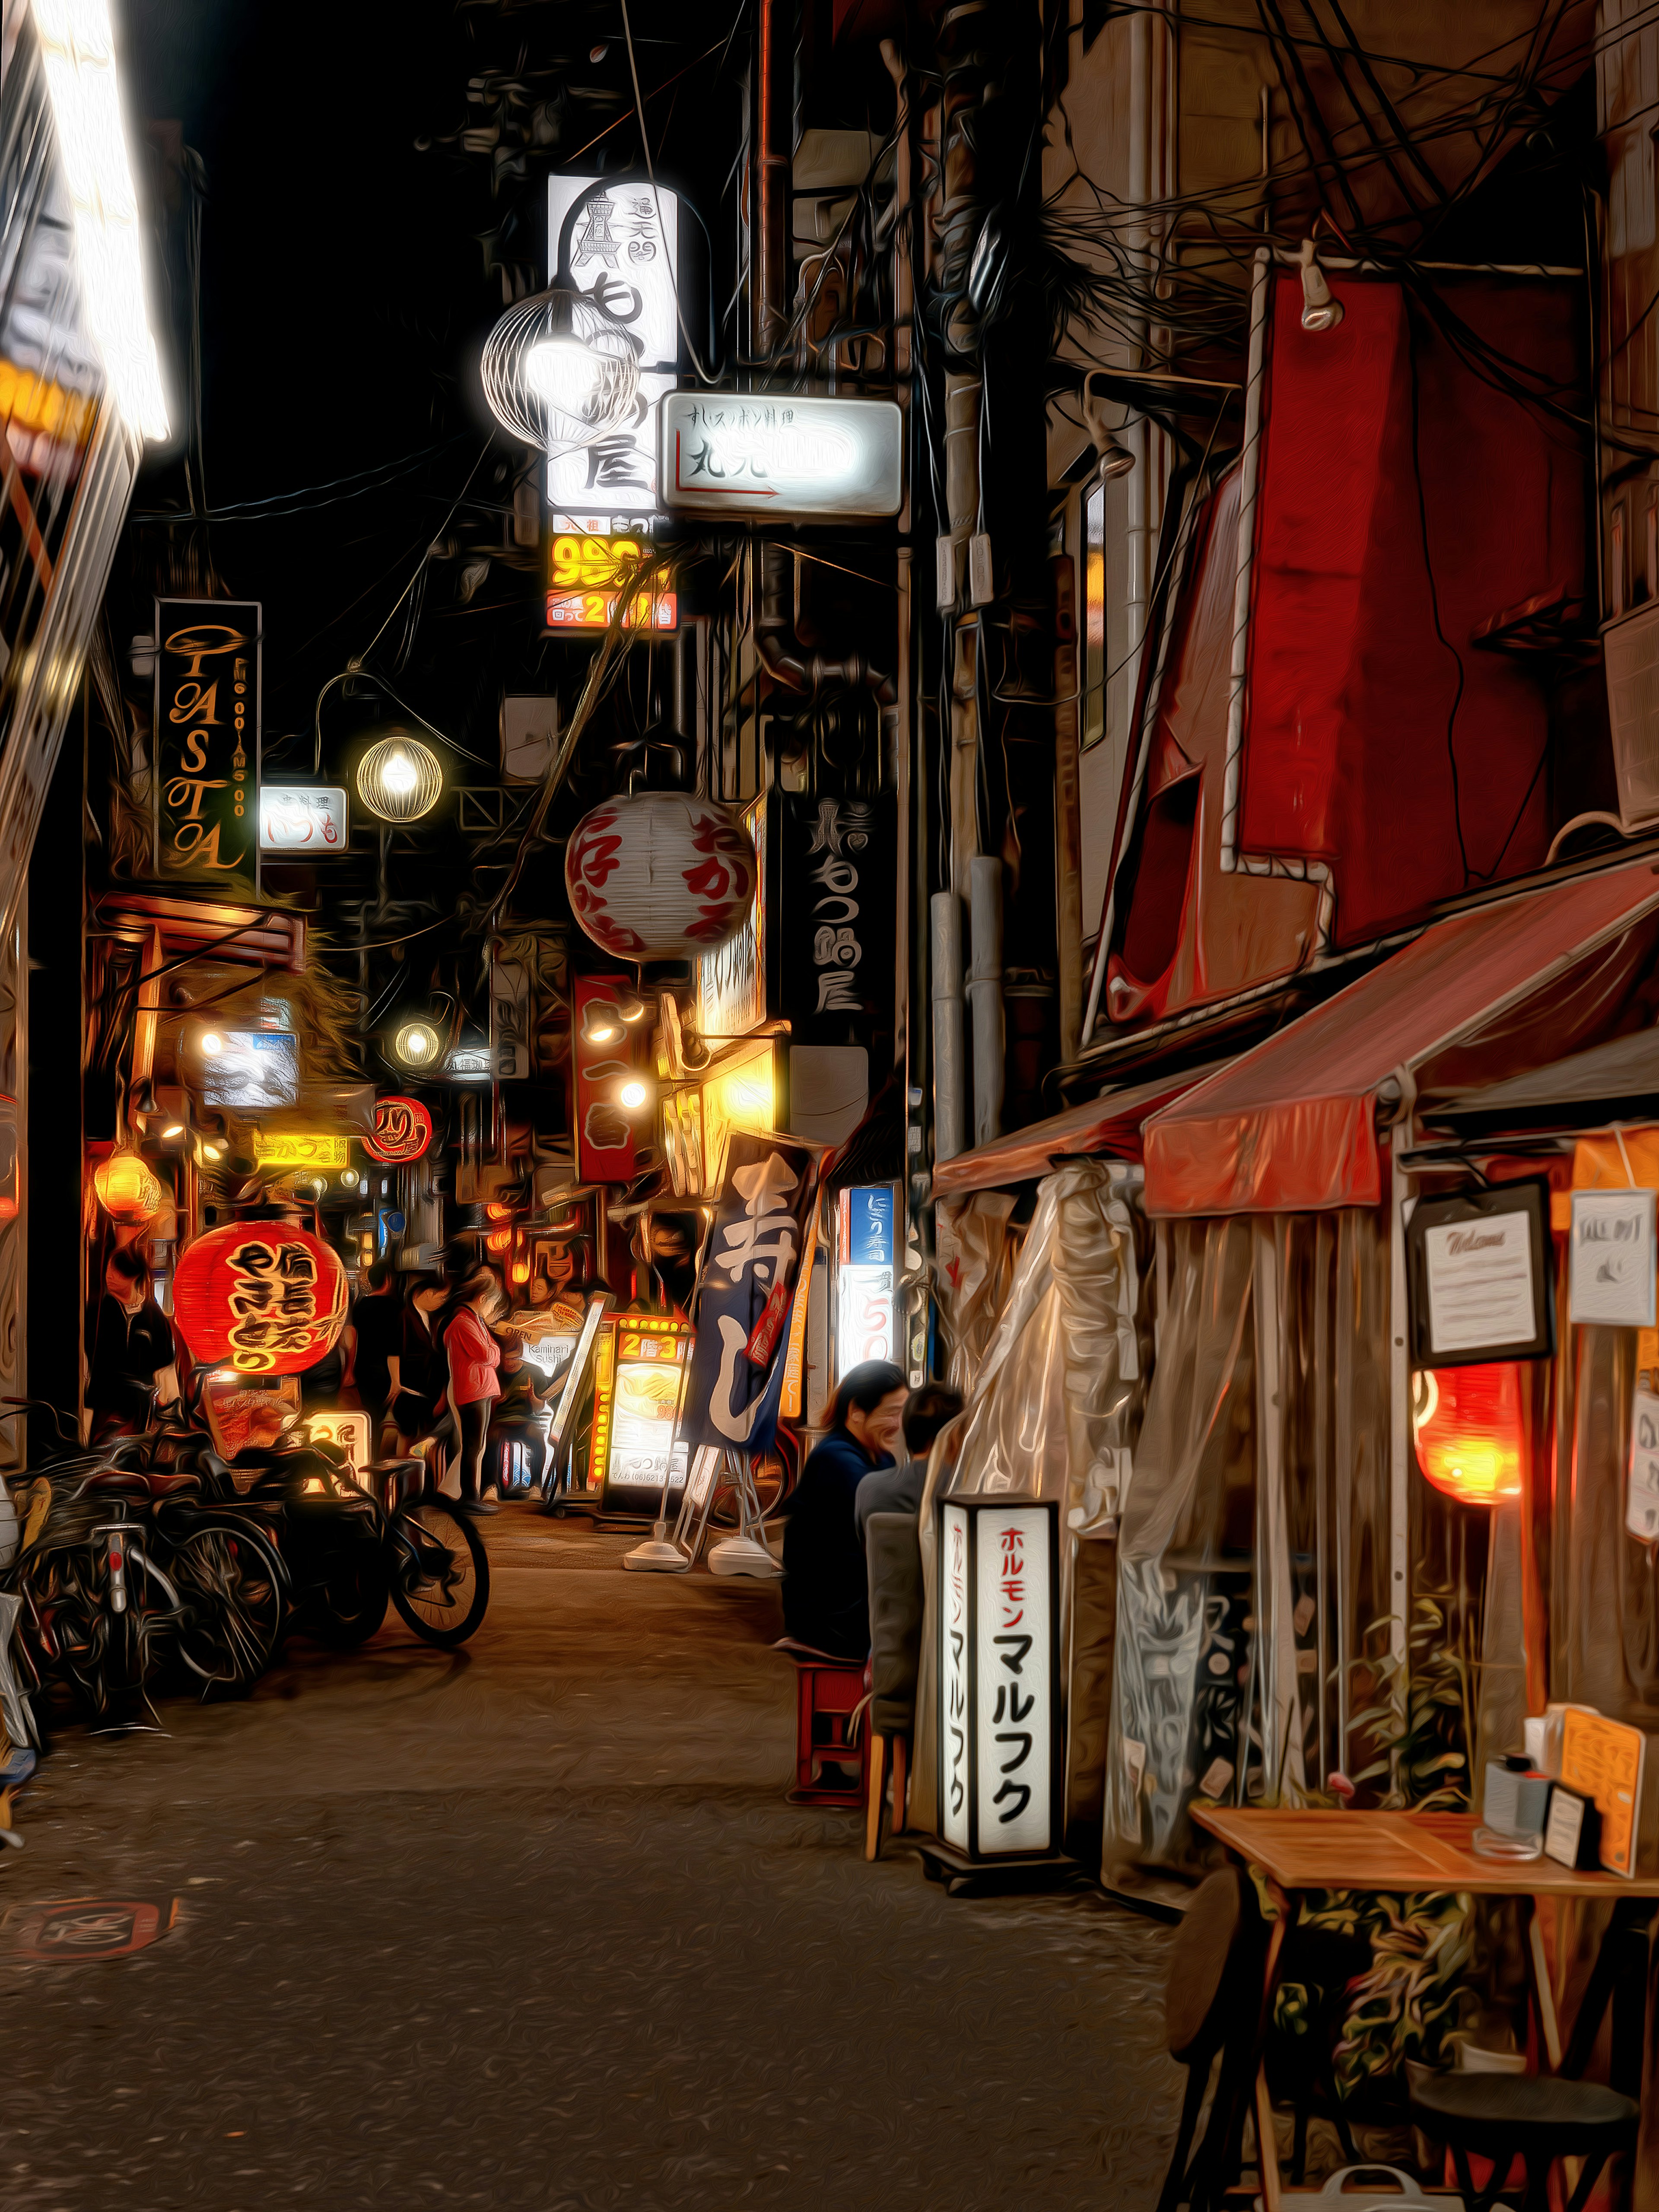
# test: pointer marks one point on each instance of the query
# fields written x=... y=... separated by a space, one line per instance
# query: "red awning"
x=1109 y=1124
x=1289 y=1127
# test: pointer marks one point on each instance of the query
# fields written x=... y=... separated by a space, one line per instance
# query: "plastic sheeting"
x=1056 y=1405
x=1290 y=1127
x=1253 y=1552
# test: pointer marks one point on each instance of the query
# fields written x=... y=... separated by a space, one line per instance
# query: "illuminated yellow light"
x=212 y=1045
x=301 y=1148
x=633 y=1095
x=174 y=1129
x=417 y=1044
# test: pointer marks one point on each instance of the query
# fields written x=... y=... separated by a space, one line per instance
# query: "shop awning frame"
x=1110 y=1124
x=1291 y=1126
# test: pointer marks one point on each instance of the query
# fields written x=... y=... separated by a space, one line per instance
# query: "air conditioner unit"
x=1631 y=651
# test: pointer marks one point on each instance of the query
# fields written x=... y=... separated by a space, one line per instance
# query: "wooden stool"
x=828 y=1692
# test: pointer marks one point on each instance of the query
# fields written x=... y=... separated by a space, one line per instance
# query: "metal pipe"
x=985 y=996
x=950 y=1085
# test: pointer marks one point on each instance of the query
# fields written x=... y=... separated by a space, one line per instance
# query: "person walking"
x=474 y=1383
x=826 y=1587
x=129 y=1350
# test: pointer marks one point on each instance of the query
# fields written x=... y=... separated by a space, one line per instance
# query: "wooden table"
x=1400 y=1854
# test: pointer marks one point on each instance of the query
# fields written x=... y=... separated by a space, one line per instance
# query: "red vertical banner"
x=602 y=1048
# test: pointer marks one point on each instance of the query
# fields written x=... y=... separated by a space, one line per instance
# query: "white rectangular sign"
x=1641 y=1499
x=733 y=452
x=1014 y=1724
x=301 y=817
x=1611 y=1280
x=1480 y=1283
x=953 y=1681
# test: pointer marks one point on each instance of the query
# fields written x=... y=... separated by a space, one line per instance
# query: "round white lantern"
x=398 y=778
x=660 y=876
x=559 y=371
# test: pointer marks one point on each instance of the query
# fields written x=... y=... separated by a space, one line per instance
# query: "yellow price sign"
x=301 y=1148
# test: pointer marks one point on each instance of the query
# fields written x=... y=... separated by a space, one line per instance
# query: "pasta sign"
x=259 y=1296
x=207 y=739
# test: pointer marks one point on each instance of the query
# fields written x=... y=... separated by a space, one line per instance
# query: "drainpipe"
x=950 y=1073
x=985 y=995
x=774 y=126
x=779 y=651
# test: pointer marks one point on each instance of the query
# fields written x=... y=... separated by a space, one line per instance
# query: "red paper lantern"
x=260 y=1296
x=659 y=876
x=402 y=1130
x=127 y=1190
x=1469 y=1429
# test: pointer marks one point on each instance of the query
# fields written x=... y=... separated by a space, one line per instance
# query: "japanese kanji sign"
x=778 y=455
x=998 y=1719
x=750 y=1267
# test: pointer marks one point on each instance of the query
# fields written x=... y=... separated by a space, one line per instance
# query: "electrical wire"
x=301 y=502
x=662 y=233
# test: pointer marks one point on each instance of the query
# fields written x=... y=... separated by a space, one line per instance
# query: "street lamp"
x=416 y=1045
x=398 y=778
x=559 y=371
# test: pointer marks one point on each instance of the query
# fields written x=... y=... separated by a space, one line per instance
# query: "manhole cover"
x=72 y=1928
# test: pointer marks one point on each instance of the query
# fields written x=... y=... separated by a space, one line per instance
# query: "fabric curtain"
x=1056 y=1405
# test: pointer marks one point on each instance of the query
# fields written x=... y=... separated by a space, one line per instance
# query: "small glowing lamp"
x=417 y=1044
x=632 y=1096
x=212 y=1044
x=399 y=779
x=1469 y=1431
x=499 y=1240
x=521 y=1271
x=126 y=1189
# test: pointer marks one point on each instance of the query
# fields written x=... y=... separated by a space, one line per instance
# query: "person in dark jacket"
x=129 y=1350
x=378 y=1318
x=898 y=1489
x=826 y=1591
x=418 y=1371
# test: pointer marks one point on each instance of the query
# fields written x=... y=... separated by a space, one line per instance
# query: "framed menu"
x=1479 y=1270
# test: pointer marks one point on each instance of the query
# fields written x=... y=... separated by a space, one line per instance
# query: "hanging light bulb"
x=559 y=371
x=399 y=779
x=416 y=1045
x=1320 y=310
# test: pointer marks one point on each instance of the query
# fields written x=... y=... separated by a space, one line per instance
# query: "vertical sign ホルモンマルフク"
x=207 y=741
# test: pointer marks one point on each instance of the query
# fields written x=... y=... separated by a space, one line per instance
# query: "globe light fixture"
x=416 y=1045
x=398 y=778
x=126 y=1189
x=559 y=371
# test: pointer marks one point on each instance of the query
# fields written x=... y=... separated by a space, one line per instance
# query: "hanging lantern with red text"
x=661 y=875
x=126 y=1187
x=402 y=1130
x=1469 y=1429
x=259 y=1296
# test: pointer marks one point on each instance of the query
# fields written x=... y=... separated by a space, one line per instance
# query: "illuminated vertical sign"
x=999 y=1718
x=206 y=741
x=618 y=243
x=865 y=1326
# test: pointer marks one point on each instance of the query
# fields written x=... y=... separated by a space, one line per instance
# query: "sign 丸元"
x=1611 y=1267
x=302 y=817
x=774 y=457
x=1479 y=1276
x=403 y=1131
x=301 y=1148
x=588 y=575
x=750 y=1268
x=207 y=740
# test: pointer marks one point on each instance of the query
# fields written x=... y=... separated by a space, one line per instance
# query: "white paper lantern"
x=659 y=876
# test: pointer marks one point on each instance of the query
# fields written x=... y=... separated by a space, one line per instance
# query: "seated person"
x=899 y=1489
x=826 y=1589
x=515 y=1418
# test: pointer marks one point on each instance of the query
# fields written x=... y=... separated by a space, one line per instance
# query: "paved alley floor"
x=533 y=1925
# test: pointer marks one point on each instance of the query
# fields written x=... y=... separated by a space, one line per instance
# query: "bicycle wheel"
x=230 y=1593
x=440 y=1575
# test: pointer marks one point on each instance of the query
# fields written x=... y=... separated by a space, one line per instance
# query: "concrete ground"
x=533 y=1925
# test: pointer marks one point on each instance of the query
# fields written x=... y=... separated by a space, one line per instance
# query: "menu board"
x=1603 y=1759
x=637 y=1403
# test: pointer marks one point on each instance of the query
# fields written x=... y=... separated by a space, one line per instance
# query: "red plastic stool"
x=828 y=1692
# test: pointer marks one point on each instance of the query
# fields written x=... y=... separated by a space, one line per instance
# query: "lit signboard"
x=301 y=817
x=301 y=1148
x=586 y=576
x=864 y=1276
x=249 y=1068
x=743 y=453
x=637 y=1385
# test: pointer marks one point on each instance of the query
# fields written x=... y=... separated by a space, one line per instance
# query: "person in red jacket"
x=474 y=1384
